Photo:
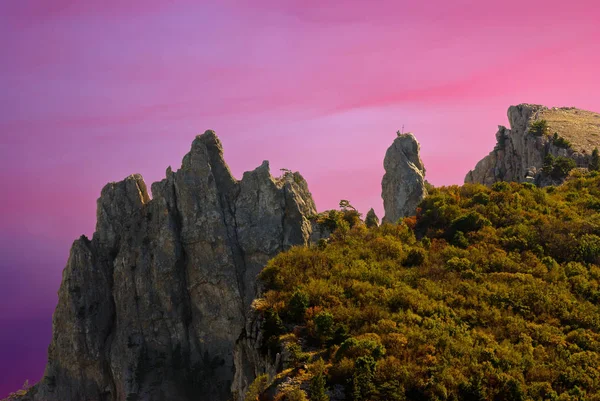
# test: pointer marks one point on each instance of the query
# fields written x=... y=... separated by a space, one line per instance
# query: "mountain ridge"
x=160 y=302
x=519 y=153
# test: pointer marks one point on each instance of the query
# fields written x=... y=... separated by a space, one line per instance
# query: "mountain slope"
x=488 y=294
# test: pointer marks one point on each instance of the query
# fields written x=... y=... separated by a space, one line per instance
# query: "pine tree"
x=362 y=380
x=345 y=205
x=317 y=383
x=298 y=305
x=371 y=220
x=548 y=163
x=594 y=161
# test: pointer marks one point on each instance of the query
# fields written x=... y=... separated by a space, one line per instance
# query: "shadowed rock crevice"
x=150 y=308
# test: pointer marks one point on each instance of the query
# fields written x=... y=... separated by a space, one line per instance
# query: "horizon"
x=115 y=89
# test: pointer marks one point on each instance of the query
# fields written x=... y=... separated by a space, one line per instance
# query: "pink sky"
x=92 y=91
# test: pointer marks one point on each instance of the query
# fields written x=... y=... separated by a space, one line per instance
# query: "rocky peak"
x=519 y=154
x=117 y=202
x=403 y=185
x=150 y=308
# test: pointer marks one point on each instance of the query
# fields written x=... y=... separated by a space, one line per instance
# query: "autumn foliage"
x=485 y=294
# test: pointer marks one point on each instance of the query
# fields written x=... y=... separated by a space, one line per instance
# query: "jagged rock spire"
x=403 y=185
x=150 y=308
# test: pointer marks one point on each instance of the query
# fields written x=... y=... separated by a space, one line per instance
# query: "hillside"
x=487 y=294
x=580 y=127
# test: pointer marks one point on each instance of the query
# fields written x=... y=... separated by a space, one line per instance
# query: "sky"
x=92 y=91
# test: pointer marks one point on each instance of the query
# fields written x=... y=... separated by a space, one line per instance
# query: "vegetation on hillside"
x=558 y=167
x=541 y=128
x=485 y=294
x=560 y=141
x=594 y=164
x=538 y=127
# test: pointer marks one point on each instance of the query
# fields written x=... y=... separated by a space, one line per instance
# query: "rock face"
x=519 y=155
x=250 y=359
x=150 y=308
x=403 y=185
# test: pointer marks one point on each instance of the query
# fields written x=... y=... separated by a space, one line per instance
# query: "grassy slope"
x=496 y=299
x=581 y=128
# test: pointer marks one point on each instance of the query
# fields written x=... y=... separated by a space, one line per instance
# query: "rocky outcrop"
x=519 y=154
x=403 y=185
x=150 y=308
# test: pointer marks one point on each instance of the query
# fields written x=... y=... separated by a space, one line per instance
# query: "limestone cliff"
x=403 y=185
x=519 y=154
x=150 y=308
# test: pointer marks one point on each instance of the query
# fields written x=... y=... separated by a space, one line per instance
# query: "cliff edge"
x=535 y=132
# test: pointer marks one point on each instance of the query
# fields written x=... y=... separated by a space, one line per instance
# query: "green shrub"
x=298 y=305
x=355 y=348
x=272 y=328
x=258 y=386
x=548 y=163
x=501 y=186
x=472 y=390
x=295 y=394
x=511 y=390
x=458 y=264
x=362 y=380
x=297 y=356
x=472 y=221
x=371 y=220
x=562 y=166
x=594 y=164
x=340 y=335
x=317 y=389
x=324 y=326
x=460 y=240
x=528 y=185
x=560 y=142
x=558 y=167
x=415 y=257
x=538 y=128
x=589 y=249
x=481 y=198
x=333 y=220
